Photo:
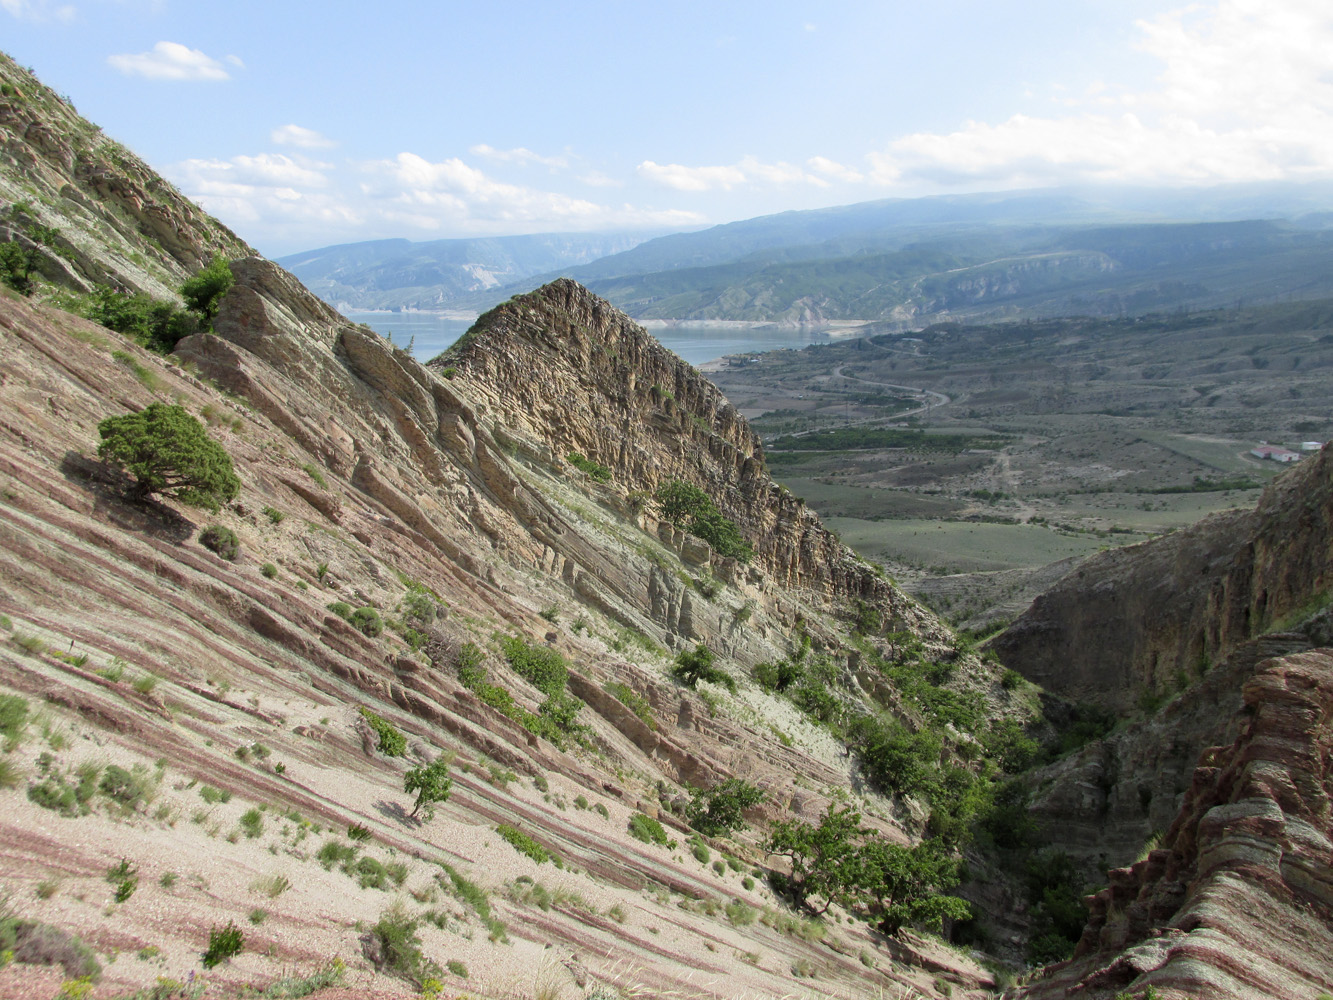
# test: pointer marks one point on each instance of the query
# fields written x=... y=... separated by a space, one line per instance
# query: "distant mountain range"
x=401 y=274
x=899 y=263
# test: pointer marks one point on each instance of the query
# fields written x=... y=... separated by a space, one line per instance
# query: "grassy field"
x=950 y=547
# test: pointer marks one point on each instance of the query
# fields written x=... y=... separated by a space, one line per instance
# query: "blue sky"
x=301 y=125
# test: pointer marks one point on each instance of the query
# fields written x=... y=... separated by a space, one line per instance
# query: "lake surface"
x=430 y=333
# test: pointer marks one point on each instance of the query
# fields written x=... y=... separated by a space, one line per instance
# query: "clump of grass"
x=30 y=644
x=358 y=833
x=114 y=671
x=601 y=811
x=144 y=685
x=316 y=475
x=457 y=968
x=13 y=720
x=475 y=897
x=274 y=515
x=258 y=915
x=252 y=822
x=634 y=701
x=213 y=795
x=271 y=886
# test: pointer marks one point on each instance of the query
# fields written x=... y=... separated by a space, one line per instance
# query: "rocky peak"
x=561 y=370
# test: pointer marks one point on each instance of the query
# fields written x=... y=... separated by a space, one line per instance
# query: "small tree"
x=678 y=500
x=717 y=811
x=431 y=783
x=203 y=293
x=169 y=452
x=697 y=665
x=825 y=859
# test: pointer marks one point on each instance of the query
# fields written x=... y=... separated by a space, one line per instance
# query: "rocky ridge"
x=1237 y=901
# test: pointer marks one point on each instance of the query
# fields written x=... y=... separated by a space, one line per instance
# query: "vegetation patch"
x=524 y=844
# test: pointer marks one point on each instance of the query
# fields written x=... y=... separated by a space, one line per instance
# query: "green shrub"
x=144 y=685
x=544 y=668
x=367 y=621
x=399 y=944
x=127 y=788
x=358 y=833
x=688 y=506
x=169 y=453
x=717 y=811
x=158 y=326
x=223 y=943
x=700 y=851
x=601 y=810
x=16 y=266
x=274 y=515
x=220 y=540
x=598 y=472
x=524 y=844
x=648 y=830
x=269 y=570
x=392 y=743
x=457 y=968
x=340 y=608
x=697 y=665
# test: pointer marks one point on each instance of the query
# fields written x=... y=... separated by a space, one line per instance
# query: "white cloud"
x=748 y=171
x=39 y=10
x=595 y=178
x=172 y=61
x=303 y=138
x=453 y=194
x=1245 y=93
x=272 y=190
x=518 y=155
x=682 y=178
x=831 y=168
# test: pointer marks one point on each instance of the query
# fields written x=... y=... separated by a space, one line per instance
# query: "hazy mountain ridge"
x=402 y=274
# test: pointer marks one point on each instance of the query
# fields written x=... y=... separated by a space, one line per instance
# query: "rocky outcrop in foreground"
x=1237 y=902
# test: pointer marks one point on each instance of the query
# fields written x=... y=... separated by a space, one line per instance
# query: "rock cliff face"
x=1238 y=899
x=1141 y=620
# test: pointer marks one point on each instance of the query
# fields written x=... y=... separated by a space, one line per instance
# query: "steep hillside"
x=92 y=211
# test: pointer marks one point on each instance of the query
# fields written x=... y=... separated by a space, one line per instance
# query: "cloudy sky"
x=302 y=125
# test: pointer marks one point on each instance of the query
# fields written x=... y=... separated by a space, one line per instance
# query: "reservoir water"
x=431 y=333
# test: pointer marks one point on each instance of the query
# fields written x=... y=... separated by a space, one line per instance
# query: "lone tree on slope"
x=169 y=453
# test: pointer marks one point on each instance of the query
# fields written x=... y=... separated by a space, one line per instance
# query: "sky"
x=303 y=125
